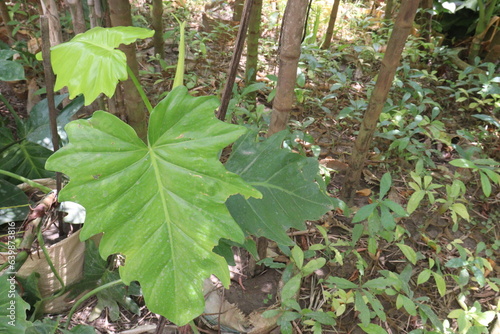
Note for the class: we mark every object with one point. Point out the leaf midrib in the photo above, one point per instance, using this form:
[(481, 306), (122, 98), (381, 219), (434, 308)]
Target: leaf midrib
[(159, 182)]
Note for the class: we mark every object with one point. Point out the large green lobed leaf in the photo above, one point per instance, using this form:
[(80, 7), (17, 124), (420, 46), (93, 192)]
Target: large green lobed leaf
[(90, 64), (287, 183), (12, 307), (161, 204)]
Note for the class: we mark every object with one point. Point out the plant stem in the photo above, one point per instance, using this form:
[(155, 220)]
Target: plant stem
[(193, 327), (179, 72), (88, 295), (139, 89), (28, 181)]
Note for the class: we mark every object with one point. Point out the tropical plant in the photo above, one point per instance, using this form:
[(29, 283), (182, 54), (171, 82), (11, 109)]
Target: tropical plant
[(175, 185)]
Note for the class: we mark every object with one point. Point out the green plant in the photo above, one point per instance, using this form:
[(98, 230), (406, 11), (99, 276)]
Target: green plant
[(487, 169), (451, 202), (471, 262), (171, 193), (422, 186), (25, 151), (10, 70), (365, 300), (471, 319), (290, 309), (379, 216)]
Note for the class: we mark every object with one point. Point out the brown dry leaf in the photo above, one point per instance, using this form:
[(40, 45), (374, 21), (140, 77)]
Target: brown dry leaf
[(34, 45), (364, 192), (334, 164)]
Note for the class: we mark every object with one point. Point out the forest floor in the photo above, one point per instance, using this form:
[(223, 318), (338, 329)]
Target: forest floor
[(326, 129)]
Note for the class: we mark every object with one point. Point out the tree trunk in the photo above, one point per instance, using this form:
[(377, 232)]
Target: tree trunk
[(95, 12), (235, 60), (388, 9), (49, 8), (76, 10), (135, 112), (331, 25), (157, 22), (293, 24), (425, 20), (238, 9), (253, 37), (486, 10), (390, 62)]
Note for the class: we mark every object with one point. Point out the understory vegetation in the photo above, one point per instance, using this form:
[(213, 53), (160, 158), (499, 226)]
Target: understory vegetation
[(417, 250)]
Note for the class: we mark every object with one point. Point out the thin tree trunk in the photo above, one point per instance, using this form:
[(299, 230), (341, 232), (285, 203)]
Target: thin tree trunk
[(95, 12), (235, 61), (486, 10), (76, 10), (49, 8), (293, 25), (331, 25), (425, 20), (238, 9), (157, 22), (135, 112), (253, 46), (388, 9), (390, 62)]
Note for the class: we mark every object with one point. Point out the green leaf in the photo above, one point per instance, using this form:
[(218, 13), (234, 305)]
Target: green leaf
[(112, 297), (253, 88), (291, 288), (426, 311), (484, 318), (364, 212), (287, 183), (7, 54), (372, 329), (424, 276), (415, 200), (25, 159), (408, 304), (162, 204), (341, 283), (12, 307), (463, 163), (11, 71), (461, 210), (489, 119), (298, 256), (387, 218), (409, 253), (90, 64), (440, 283), (455, 263), (376, 305), (362, 308), (324, 318), (377, 283), (13, 203), (479, 275), (385, 184), (494, 177), (395, 207), (313, 265), (38, 125), (485, 184)]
